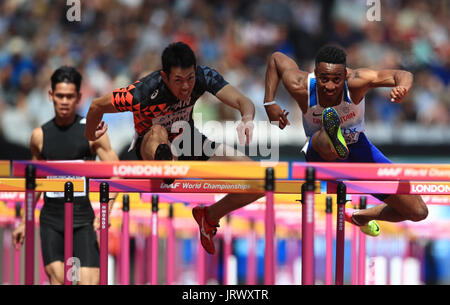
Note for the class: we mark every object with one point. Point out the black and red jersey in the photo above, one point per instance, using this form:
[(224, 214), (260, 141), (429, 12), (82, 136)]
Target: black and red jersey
[(152, 102)]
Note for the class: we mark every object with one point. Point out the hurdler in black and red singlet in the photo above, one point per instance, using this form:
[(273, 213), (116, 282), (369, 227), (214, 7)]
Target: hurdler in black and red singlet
[(153, 103)]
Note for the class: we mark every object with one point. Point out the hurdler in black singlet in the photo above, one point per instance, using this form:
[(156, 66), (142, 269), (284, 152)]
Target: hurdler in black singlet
[(66, 143)]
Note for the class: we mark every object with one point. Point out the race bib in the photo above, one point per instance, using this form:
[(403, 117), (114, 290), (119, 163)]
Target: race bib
[(61, 194)]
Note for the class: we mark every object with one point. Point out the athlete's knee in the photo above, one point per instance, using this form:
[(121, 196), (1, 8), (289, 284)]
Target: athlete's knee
[(158, 131), (55, 274), (419, 212), (417, 209)]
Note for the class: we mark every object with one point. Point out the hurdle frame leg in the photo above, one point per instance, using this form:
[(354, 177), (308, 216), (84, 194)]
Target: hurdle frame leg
[(170, 264), (329, 241), (340, 233), (104, 224), (68, 233), (362, 248), (125, 242), (308, 228), (154, 241), (269, 258), (30, 184)]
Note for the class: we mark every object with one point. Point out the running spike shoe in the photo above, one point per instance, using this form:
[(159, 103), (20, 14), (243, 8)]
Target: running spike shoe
[(332, 126), (371, 228), (207, 231)]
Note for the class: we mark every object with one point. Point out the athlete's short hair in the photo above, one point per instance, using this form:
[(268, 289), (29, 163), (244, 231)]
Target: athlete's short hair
[(331, 55), (66, 74), (177, 54)]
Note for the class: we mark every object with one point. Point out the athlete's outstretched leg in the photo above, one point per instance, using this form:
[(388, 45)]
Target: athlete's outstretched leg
[(395, 209), (208, 217)]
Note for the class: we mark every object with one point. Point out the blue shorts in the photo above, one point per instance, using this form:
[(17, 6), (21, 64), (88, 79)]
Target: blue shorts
[(362, 151)]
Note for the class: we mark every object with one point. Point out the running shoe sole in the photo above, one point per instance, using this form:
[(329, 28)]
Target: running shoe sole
[(332, 126)]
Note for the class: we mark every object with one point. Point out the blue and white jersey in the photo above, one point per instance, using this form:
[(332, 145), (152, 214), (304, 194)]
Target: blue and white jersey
[(351, 115)]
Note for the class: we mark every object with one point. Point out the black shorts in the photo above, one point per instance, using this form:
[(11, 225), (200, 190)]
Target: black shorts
[(202, 153), (85, 246)]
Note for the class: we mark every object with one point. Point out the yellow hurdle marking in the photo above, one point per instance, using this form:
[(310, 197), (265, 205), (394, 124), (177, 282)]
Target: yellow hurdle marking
[(5, 169), (42, 185)]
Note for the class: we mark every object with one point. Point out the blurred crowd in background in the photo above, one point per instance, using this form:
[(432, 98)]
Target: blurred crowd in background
[(119, 41)]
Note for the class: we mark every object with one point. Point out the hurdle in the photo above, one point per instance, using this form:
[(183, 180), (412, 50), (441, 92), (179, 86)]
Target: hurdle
[(145, 169), (391, 172), (211, 186), (379, 178), (30, 185)]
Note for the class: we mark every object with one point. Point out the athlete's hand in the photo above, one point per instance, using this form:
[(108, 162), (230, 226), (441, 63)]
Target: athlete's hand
[(101, 129), (277, 116), (18, 236), (245, 131), (398, 93)]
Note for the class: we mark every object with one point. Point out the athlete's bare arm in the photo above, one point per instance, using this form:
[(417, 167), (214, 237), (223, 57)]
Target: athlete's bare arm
[(232, 97), (102, 148), (284, 68), (36, 143), (95, 127), (361, 80)]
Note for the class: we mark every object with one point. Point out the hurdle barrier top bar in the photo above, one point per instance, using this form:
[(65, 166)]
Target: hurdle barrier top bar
[(281, 187), (373, 171), (197, 186), (155, 169)]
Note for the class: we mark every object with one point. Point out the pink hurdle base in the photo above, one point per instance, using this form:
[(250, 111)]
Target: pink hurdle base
[(29, 237), (68, 241), (329, 249), (362, 259), (269, 259), (340, 244), (308, 239), (104, 223), (354, 256), (125, 250), (251, 265), (154, 257), (170, 252)]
